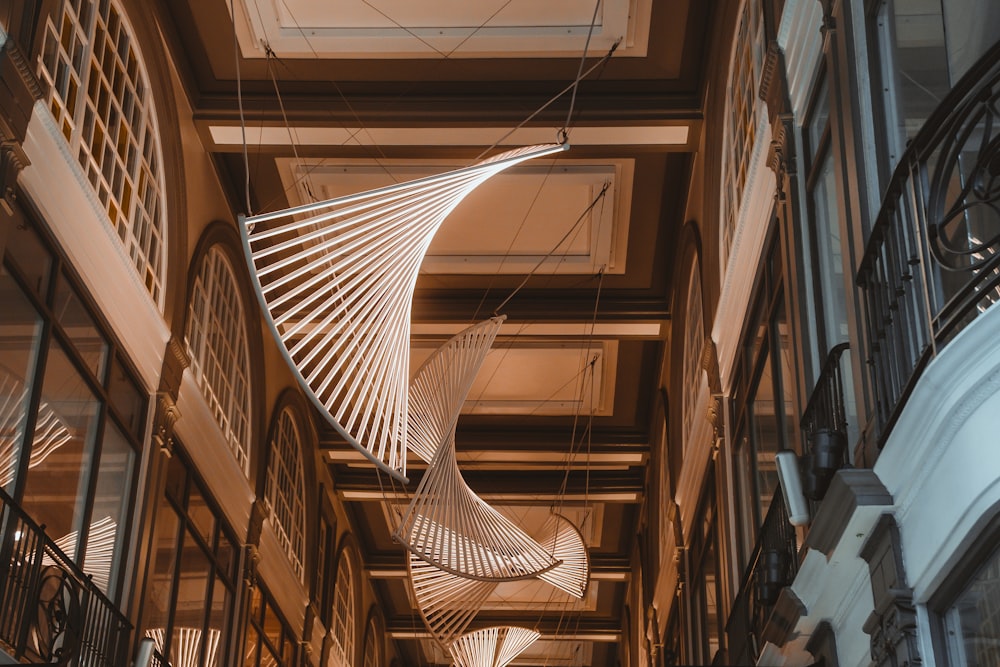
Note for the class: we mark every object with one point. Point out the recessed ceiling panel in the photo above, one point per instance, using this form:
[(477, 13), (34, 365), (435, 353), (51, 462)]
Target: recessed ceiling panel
[(438, 28), (538, 378), (535, 218)]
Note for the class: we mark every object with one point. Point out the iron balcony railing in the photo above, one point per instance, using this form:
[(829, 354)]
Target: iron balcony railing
[(931, 265), (824, 428), (50, 611), (773, 565)]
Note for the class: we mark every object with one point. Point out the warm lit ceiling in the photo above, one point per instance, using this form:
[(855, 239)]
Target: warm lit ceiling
[(375, 91)]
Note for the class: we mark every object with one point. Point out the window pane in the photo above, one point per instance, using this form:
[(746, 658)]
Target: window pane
[(61, 449), (111, 500), (218, 614), (128, 399), (190, 611), (976, 616), (766, 438), (80, 328), (160, 591), (201, 516), (19, 330), (831, 265), (32, 259)]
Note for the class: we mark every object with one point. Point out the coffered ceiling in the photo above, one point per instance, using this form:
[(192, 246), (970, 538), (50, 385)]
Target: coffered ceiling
[(341, 97)]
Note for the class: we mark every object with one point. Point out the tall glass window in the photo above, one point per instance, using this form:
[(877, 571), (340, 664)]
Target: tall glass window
[(99, 95), (764, 416), (285, 490), (695, 382), (923, 48), (741, 117), (373, 644), (220, 359), (72, 415), (189, 605), (343, 630), (270, 641)]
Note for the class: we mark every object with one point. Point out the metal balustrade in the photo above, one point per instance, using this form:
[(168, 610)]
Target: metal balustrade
[(931, 265), (824, 427), (773, 565), (52, 612)]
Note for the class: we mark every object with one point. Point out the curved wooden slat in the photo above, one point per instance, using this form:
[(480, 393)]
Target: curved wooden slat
[(335, 280), (492, 647), (565, 542), (440, 386), (450, 527), (446, 602)]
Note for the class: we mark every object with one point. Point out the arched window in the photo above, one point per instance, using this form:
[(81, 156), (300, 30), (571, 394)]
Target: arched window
[(694, 341), (373, 644), (99, 96), (741, 117), (217, 343), (342, 632), (285, 490)]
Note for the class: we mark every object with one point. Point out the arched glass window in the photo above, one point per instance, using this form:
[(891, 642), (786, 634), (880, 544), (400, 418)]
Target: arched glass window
[(740, 117), (694, 341), (217, 343), (99, 96), (373, 640), (285, 491), (342, 632)]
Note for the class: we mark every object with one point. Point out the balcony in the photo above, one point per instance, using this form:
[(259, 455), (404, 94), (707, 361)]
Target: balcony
[(825, 429), (52, 612), (773, 565), (931, 266)]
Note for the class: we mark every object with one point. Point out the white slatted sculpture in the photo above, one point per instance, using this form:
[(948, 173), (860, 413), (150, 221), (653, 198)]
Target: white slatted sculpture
[(563, 540), (446, 523), (492, 647), (446, 602), (452, 528), (441, 384), (336, 281)]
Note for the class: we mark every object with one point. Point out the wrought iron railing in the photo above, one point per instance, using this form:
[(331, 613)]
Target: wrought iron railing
[(773, 565), (824, 427), (51, 611), (931, 265)]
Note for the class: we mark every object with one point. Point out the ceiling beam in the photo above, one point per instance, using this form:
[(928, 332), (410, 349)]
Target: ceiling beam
[(508, 487)]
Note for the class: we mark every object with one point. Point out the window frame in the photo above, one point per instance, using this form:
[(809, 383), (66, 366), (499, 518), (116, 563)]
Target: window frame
[(121, 97), (983, 549), (218, 261), (51, 335), (189, 527), (287, 515)]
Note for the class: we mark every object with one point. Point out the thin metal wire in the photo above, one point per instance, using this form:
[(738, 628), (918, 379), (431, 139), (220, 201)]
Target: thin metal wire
[(239, 100), (335, 280), (600, 197), (583, 59)]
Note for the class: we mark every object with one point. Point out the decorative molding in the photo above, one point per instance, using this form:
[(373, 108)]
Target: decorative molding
[(893, 622), (259, 512), (165, 417), (710, 364), (850, 489), (250, 566)]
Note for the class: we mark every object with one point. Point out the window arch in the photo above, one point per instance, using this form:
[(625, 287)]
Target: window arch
[(694, 380), (741, 117), (373, 643), (100, 97), (343, 631), (285, 490), (216, 338)]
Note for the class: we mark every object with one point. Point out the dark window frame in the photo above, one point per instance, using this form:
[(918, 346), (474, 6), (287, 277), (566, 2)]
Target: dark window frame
[(60, 271)]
